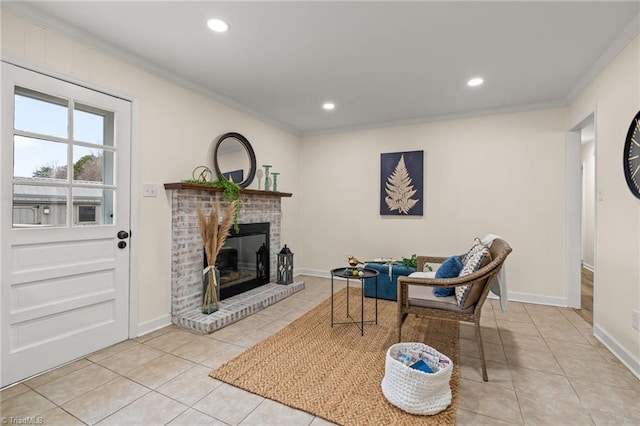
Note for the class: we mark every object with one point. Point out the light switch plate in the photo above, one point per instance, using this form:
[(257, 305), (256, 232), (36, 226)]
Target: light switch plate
[(149, 190)]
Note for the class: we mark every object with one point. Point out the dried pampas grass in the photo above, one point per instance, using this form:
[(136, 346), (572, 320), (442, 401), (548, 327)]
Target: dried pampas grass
[(213, 238)]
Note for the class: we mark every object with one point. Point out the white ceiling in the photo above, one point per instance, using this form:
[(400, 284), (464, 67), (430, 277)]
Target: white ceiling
[(382, 63)]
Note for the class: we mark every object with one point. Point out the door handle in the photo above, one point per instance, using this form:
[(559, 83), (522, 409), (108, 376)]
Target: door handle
[(122, 244), (123, 235)]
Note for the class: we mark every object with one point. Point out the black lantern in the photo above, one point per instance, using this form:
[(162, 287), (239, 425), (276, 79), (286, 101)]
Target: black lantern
[(285, 266)]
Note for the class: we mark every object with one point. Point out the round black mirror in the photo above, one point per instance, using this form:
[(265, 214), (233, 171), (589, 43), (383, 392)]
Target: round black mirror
[(234, 159)]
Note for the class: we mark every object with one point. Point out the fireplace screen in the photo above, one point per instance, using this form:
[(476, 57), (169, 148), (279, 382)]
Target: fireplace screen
[(243, 262)]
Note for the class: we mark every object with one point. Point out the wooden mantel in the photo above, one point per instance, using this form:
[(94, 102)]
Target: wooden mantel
[(184, 185)]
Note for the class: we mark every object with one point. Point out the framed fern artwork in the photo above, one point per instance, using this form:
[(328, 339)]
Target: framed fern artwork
[(401, 183)]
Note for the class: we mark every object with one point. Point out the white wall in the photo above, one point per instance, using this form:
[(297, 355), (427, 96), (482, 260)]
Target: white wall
[(500, 174), (177, 128), (615, 96)]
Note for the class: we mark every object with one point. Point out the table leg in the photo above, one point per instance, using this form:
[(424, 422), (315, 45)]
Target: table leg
[(376, 299), (331, 300), (347, 297), (362, 306)]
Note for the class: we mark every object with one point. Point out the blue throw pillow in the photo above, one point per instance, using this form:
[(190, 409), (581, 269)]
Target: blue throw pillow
[(450, 268)]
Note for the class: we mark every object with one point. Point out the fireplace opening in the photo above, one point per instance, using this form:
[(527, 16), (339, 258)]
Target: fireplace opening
[(243, 262)]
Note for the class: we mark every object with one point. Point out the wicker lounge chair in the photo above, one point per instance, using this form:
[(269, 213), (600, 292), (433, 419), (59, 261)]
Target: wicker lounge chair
[(421, 301)]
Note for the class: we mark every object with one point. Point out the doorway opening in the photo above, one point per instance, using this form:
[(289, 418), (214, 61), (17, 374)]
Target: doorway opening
[(588, 214), (582, 199)]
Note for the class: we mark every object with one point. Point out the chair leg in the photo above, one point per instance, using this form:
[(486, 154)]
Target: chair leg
[(401, 318), (481, 350)]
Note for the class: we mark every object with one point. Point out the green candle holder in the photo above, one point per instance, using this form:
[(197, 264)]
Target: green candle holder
[(275, 181), (266, 176)]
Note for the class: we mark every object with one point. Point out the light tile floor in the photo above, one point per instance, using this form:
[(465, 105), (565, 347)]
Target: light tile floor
[(544, 366)]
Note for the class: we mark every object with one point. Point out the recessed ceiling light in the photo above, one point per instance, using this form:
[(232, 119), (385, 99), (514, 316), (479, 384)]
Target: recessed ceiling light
[(217, 25), (476, 81), (328, 106)]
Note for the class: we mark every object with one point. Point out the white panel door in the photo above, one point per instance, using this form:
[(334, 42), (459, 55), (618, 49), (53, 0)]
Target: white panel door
[(65, 191)]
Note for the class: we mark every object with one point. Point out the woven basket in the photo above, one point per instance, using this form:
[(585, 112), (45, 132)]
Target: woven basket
[(415, 391)]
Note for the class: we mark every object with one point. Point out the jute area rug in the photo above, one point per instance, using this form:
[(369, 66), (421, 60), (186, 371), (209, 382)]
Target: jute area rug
[(336, 373)]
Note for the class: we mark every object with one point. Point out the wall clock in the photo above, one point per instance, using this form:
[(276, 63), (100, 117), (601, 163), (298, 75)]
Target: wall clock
[(631, 156)]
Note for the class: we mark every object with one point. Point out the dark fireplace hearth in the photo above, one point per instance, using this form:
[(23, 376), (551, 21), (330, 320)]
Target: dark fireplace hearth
[(243, 262)]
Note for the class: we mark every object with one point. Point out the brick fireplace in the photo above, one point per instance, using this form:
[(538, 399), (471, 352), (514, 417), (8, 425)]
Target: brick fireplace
[(187, 251)]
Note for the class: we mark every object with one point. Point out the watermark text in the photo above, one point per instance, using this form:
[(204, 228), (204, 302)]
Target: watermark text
[(33, 420)]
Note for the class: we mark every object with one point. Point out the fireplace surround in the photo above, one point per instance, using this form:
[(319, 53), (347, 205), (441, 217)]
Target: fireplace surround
[(187, 254)]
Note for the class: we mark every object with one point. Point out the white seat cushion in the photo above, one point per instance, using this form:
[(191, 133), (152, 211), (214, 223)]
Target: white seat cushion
[(423, 274), (423, 296)]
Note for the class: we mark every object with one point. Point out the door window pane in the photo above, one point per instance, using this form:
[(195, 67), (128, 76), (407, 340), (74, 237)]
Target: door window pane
[(92, 165), (88, 126), (39, 113), (93, 206), (39, 158), (35, 205)]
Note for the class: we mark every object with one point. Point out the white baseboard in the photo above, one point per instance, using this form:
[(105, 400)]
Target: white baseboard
[(153, 325), (625, 357), (538, 299), (534, 298), (313, 272)]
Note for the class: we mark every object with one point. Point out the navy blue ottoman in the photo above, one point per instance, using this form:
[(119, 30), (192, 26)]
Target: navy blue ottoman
[(387, 288)]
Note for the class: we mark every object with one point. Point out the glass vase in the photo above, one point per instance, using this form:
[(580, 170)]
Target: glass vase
[(210, 278)]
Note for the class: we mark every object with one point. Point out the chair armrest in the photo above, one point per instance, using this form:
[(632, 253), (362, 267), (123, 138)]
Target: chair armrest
[(421, 260)]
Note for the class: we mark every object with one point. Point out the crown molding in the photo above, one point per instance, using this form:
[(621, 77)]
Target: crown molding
[(624, 38), (485, 112)]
